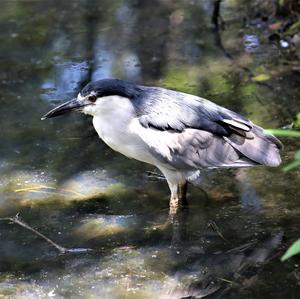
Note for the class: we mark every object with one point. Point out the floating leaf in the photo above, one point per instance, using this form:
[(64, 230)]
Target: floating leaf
[(261, 77), (293, 250)]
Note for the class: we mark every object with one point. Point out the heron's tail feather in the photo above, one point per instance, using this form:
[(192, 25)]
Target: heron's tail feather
[(263, 149)]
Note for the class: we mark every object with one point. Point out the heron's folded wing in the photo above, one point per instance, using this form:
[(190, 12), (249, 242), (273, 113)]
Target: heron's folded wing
[(169, 110), (221, 133), (193, 149)]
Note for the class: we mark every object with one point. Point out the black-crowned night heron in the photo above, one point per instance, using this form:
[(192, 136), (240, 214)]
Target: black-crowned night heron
[(177, 132)]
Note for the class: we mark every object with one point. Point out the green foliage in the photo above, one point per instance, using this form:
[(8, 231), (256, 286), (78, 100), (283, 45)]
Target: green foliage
[(294, 164), (284, 133), (293, 28), (293, 250), (296, 123), (290, 133)]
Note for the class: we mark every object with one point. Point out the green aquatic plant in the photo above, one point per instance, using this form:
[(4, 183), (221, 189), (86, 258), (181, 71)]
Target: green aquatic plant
[(295, 247), (293, 250), (291, 131)]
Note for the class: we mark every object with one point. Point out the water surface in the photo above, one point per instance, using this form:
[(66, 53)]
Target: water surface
[(70, 186)]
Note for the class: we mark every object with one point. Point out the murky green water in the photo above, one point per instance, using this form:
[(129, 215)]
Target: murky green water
[(68, 185)]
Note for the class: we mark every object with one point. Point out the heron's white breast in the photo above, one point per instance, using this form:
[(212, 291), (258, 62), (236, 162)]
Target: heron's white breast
[(116, 124)]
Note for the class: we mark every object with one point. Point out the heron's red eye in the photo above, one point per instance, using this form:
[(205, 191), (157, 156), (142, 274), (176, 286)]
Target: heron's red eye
[(92, 98)]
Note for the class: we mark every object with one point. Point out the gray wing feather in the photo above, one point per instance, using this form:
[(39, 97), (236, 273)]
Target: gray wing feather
[(204, 134), (193, 149), (263, 148), (166, 109)]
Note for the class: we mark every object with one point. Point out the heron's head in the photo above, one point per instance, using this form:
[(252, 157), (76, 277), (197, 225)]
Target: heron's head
[(90, 99)]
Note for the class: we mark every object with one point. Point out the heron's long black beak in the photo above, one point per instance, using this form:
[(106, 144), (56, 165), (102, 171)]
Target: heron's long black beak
[(69, 106)]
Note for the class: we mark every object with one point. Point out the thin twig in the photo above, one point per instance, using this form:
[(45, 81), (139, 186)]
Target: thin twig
[(216, 229), (241, 248), (227, 280), (16, 219)]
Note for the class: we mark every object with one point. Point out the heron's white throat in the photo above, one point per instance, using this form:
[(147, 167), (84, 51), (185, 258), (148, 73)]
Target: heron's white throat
[(115, 121)]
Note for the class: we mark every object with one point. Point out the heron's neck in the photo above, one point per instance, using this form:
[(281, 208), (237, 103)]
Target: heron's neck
[(118, 127), (112, 118)]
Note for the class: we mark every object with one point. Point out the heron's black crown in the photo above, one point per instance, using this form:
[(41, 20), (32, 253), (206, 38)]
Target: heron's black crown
[(109, 87)]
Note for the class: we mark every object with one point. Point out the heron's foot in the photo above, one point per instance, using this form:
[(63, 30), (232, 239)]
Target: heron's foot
[(176, 205), (178, 199)]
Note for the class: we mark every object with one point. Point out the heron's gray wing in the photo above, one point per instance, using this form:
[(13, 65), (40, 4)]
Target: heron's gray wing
[(166, 109), (193, 149), (220, 137)]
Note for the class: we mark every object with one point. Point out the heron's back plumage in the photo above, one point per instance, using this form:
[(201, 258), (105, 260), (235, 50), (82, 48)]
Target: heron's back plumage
[(207, 135)]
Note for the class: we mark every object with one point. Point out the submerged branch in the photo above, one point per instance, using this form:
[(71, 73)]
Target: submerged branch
[(216, 14), (214, 226), (16, 219)]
